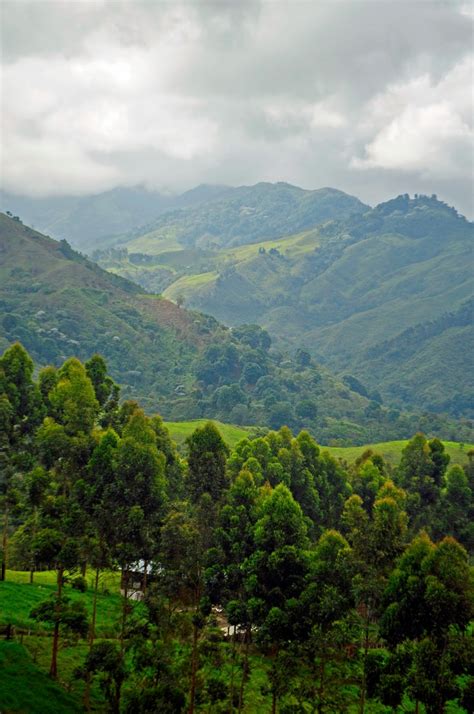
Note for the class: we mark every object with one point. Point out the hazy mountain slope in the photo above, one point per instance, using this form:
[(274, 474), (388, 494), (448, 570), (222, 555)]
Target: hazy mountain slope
[(87, 222), (59, 304), (244, 215), (428, 359), (180, 363), (349, 286)]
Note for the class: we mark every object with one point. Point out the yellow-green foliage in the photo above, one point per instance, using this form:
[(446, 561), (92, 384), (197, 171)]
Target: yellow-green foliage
[(392, 450), (180, 430)]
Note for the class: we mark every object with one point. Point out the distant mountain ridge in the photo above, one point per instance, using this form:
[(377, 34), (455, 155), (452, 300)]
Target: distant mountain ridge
[(88, 222), (343, 288), (182, 364), (247, 214), (211, 213), (322, 270)]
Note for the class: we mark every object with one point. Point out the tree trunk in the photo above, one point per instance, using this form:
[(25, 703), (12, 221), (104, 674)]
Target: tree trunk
[(145, 577), (53, 670), (244, 668), (194, 662), (274, 702), (274, 655), (322, 682), (84, 568), (118, 692), (94, 608), (124, 609), (231, 702), (4, 544), (364, 665), (33, 536)]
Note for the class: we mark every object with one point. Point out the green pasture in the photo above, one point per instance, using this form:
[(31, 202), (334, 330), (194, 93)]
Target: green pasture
[(18, 598), (390, 450)]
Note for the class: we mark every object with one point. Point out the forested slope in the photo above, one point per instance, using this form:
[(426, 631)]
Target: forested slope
[(359, 293), (59, 304)]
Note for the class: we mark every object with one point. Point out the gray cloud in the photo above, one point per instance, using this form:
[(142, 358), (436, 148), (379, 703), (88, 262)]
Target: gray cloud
[(372, 97)]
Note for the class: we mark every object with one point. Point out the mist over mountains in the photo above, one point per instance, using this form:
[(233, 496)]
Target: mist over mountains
[(87, 221), (382, 295)]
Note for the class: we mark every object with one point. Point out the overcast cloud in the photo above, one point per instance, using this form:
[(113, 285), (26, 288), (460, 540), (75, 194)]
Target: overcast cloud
[(374, 97)]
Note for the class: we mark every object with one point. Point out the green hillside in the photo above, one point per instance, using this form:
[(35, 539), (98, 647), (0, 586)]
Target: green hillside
[(181, 430), (24, 687), (391, 451), (89, 221), (182, 364), (247, 214), (383, 296)]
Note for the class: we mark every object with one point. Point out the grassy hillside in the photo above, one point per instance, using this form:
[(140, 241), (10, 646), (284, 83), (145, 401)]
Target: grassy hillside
[(58, 304), (390, 450), (182, 364), (89, 221), (180, 430), (16, 602), (24, 687), (383, 295)]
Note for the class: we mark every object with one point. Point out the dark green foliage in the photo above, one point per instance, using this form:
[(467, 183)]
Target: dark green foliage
[(79, 583), (105, 660), (71, 615), (206, 461), (429, 603), (268, 576)]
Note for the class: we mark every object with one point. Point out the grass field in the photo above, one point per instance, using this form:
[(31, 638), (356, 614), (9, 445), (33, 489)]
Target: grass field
[(188, 282), (24, 687), (180, 430), (390, 450), (24, 682), (18, 597)]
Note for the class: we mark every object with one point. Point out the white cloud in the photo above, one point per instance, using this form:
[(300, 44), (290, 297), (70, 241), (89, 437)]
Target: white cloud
[(369, 97), (422, 126)]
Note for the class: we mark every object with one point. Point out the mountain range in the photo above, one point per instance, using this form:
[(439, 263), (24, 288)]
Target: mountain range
[(88, 222), (381, 295), (181, 363)]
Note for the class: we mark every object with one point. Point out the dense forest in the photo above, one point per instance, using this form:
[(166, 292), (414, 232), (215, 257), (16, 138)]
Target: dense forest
[(268, 578)]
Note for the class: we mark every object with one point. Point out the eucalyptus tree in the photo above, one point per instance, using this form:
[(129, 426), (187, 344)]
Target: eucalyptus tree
[(276, 572), (21, 410), (64, 442), (429, 603)]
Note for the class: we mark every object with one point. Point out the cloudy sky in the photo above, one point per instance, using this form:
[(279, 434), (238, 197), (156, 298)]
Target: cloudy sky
[(373, 97)]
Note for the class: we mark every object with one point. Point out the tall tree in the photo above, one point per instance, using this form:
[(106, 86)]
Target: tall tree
[(21, 410), (276, 573), (207, 454), (429, 604)]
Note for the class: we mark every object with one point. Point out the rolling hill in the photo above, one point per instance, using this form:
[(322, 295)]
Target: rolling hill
[(180, 363), (89, 222), (383, 295)]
